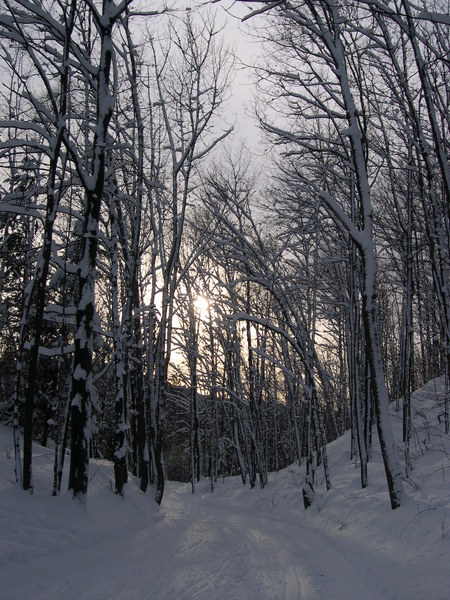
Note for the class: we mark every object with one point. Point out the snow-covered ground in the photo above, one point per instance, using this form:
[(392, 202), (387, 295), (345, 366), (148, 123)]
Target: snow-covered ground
[(236, 544)]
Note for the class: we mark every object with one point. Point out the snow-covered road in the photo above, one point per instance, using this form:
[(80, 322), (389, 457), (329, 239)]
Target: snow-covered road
[(237, 543), (193, 548)]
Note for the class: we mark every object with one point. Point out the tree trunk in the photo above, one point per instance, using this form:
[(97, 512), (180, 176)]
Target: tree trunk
[(81, 384)]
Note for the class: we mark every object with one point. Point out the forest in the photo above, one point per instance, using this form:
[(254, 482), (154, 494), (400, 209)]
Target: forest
[(173, 303)]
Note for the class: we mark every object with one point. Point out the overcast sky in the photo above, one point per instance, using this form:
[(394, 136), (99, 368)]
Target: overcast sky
[(229, 14)]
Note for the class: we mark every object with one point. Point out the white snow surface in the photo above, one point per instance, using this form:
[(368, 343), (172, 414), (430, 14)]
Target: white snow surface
[(236, 543)]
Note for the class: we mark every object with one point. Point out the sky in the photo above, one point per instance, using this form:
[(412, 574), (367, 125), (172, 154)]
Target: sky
[(237, 35)]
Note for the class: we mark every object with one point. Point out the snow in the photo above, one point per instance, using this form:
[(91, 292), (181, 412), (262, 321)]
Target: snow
[(80, 374), (236, 543)]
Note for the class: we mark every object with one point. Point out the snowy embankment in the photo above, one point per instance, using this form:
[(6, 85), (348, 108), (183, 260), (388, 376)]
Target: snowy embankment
[(236, 543)]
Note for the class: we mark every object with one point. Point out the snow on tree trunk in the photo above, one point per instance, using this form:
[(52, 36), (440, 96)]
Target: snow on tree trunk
[(120, 443), (388, 449), (81, 383), (363, 238)]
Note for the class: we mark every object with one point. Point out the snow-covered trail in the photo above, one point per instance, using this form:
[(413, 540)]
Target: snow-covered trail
[(192, 549), (238, 543), (230, 550)]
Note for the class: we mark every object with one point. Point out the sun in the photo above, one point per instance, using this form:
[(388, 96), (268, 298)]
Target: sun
[(202, 307)]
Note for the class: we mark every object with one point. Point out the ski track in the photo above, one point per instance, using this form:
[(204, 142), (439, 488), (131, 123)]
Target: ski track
[(205, 552)]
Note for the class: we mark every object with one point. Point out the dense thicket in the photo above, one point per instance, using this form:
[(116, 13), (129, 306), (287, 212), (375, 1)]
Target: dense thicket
[(166, 307)]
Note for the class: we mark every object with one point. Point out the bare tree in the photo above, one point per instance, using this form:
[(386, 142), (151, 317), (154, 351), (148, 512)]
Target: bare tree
[(191, 84), (325, 87)]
